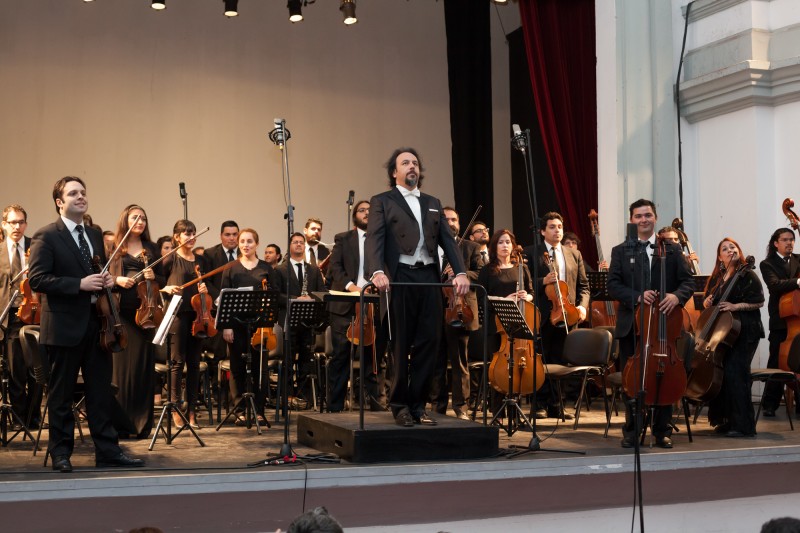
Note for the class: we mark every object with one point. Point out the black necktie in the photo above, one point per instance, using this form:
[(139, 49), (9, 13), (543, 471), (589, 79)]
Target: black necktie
[(788, 266), (300, 273), (556, 268), (312, 257), (484, 257), (231, 257), (16, 268), (84, 246)]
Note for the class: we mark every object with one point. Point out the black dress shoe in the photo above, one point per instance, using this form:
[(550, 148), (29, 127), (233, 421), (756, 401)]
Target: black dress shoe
[(119, 461), (61, 464), (554, 412), (461, 414), (664, 442), (626, 442), (738, 434), (769, 413), (425, 420), (540, 414), (404, 419)]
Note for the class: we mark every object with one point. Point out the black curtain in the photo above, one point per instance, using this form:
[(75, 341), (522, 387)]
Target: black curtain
[(523, 112), (469, 70)]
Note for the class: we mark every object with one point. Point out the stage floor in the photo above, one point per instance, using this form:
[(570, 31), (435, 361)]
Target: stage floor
[(212, 488)]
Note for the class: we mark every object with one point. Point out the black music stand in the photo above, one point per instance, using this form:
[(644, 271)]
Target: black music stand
[(252, 309), (166, 413), (7, 414), (598, 286)]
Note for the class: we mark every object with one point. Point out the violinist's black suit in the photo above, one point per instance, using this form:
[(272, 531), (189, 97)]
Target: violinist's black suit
[(70, 331), (625, 286)]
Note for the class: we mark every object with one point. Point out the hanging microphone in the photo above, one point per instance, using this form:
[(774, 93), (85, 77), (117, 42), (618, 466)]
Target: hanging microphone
[(182, 190), (279, 135), (350, 197), (518, 140)]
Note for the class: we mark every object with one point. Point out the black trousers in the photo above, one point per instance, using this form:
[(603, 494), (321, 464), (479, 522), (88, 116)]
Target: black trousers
[(339, 365), (454, 351), (416, 324), (95, 364), (23, 393), (773, 392)]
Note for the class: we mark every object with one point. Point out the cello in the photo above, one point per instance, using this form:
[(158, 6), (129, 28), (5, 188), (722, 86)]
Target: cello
[(151, 310), (656, 368), (526, 362), (602, 313), (563, 314), (789, 304), (718, 331)]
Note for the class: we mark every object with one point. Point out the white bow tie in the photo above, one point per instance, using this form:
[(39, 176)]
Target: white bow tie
[(406, 192)]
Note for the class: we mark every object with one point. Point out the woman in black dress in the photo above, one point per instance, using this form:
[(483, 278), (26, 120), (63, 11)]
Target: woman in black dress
[(133, 369), (187, 346), (250, 271), (731, 411)]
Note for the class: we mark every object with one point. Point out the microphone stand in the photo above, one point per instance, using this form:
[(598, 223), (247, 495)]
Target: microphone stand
[(184, 199), (350, 199)]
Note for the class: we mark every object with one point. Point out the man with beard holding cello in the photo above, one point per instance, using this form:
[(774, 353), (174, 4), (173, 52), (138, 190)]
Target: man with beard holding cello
[(627, 287)]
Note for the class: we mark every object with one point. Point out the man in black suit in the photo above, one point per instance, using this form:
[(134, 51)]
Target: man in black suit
[(780, 271), (405, 229), (21, 385), (315, 250), (346, 273), (60, 269), (303, 279), (454, 349), (629, 289)]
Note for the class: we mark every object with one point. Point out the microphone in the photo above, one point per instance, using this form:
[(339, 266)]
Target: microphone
[(279, 135), (350, 197), (182, 190), (518, 140)]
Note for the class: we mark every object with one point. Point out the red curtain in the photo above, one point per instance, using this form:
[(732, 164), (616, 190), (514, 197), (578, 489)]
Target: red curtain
[(560, 41)]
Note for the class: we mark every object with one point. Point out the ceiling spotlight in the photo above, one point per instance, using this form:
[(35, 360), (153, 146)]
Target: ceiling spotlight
[(158, 5), (348, 9), (295, 10), (500, 1), (231, 8)]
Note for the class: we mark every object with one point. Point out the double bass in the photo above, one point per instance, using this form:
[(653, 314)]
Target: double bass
[(717, 333), (656, 368), (789, 304), (602, 313), (694, 306)]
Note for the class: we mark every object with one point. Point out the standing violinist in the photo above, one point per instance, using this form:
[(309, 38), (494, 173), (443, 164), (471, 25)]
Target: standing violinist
[(187, 346), (21, 385), (61, 270), (731, 410), (346, 273), (456, 338), (133, 368), (781, 273), (630, 289), (567, 266), (249, 272)]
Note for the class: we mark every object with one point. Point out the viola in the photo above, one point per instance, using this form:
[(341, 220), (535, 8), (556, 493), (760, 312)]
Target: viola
[(264, 336), (789, 304), (29, 311), (563, 314), (602, 313), (203, 325), (717, 333), (354, 329), (151, 309), (656, 368), (113, 337)]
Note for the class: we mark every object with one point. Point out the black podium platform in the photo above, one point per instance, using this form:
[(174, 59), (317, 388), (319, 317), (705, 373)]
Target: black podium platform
[(383, 441)]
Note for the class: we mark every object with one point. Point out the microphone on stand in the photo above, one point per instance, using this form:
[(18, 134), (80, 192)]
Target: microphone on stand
[(518, 140), (279, 135), (350, 198), (182, 190)]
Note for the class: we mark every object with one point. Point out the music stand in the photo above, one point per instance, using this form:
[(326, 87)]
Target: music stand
[(170, 407), (598, 286), (7, 414), (252, 309)]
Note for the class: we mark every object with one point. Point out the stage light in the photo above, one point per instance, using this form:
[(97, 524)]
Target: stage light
[(231, 8), (295, 10), (504, 2), (348, 9), (158, 5)]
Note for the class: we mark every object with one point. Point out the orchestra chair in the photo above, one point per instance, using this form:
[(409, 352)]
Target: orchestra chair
[(775, 375), (587, 353), (476, 367), (614, 358), (321, 352)]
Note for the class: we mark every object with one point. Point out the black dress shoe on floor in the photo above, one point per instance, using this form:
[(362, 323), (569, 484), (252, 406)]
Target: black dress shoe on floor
[(664, 442), (626, 442), (738, 434), (61, 464), (540, 414), (119, 461), (404, 419), (769, 413), (425, 420), (461, 415)]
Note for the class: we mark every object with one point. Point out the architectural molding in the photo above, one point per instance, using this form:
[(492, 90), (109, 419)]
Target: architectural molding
[(705, 8)]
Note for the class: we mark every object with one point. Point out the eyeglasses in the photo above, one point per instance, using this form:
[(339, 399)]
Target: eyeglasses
[(16, 222), (363, 210), (480, 230)]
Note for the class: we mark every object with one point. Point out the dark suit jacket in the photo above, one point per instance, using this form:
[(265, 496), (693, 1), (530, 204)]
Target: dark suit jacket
[(626, 287), (343, 268), (55, 270), (322, 252), (5, 275), (574, 272), (393, 231), (779, 282), (314, 284), (215, 256)]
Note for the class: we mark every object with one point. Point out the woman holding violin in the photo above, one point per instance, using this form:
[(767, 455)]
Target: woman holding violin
[(133, 369), (250, 271), (731, 410), (187, 346)]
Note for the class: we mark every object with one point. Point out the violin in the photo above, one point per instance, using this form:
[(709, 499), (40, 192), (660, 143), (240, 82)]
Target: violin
[(113, 337), (29, 311), (264, 336), (151, 309), (563, 314), (662, 377), (516, 362), (354, 329), (718, 331), (602, 313), (789, 304), (458, 314), (203, 325)]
